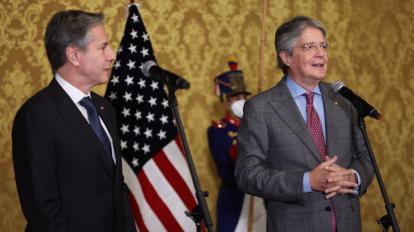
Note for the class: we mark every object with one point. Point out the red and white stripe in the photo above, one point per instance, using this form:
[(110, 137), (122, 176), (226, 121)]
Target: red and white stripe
[(162, 191)]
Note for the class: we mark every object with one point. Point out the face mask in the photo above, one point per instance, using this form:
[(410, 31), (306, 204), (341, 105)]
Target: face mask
[(237, 108)]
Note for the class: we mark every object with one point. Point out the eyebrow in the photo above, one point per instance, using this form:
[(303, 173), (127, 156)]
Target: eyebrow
[(316, 42)]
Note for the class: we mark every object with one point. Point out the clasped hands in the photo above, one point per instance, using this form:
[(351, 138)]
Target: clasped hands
[(332, 179)]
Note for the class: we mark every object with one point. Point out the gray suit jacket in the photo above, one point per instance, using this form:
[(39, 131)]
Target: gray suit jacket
[(276, 149)]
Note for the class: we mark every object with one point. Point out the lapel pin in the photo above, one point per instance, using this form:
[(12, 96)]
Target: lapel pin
[(335, 102)]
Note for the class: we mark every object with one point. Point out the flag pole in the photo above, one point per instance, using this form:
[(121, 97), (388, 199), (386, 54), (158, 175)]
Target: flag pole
[(250, 220), (259, 89), (262, 46)]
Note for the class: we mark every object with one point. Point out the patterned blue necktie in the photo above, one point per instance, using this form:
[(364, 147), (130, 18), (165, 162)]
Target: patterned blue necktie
[(96, 125)]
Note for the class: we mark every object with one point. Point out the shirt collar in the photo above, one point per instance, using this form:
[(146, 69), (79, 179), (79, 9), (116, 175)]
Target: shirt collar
[(74, 93), (297, 90)]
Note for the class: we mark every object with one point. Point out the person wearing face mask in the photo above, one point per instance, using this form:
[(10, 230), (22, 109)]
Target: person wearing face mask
[(236, 211)]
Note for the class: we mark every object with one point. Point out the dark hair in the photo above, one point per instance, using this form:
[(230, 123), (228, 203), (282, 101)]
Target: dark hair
[(68, 28), (288, 33)]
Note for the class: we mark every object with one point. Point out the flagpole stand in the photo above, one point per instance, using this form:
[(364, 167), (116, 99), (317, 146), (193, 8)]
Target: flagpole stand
[(200, 212)]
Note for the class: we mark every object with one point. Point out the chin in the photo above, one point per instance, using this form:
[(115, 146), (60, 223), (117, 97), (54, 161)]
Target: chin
[(320, 75), (106, 77), (103, 80)]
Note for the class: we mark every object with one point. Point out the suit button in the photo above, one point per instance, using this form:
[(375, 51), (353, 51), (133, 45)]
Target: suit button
[(328, 208)]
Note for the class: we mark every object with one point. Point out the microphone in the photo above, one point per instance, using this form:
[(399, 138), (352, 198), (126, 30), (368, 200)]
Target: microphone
[(151, 69), (364, 109)]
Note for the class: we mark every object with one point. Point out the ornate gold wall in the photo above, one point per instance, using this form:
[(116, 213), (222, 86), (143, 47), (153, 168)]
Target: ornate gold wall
[(372, 51)]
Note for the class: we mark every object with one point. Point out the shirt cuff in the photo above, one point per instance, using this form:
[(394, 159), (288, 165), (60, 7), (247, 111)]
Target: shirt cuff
[(356, 189), (306, 183)]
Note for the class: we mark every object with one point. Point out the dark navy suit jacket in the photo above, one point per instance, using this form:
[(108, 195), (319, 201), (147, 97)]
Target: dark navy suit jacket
[(64, 179)]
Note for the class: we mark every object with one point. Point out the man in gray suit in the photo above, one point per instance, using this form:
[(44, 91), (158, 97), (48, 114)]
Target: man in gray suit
[(300, 146)]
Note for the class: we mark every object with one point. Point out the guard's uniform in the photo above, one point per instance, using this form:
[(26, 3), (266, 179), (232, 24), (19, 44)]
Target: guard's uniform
[(222, 137), (235, 209)]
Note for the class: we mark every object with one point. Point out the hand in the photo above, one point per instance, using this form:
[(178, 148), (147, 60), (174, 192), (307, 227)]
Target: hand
[(318, 176), (340, 180)]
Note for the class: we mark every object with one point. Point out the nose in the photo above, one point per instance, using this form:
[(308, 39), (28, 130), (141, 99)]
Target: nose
[(320, 52), (110, 54)]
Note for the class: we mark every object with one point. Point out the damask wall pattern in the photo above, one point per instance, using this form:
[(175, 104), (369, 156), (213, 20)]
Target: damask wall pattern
[(371, 50)]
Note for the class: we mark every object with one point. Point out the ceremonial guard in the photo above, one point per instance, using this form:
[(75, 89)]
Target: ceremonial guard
[(236, 211)]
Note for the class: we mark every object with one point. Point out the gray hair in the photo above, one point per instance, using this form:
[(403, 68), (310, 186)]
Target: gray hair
[(68, 28), (288, 33)]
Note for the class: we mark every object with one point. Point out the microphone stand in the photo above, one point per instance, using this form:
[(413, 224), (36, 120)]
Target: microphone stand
[(389, 219), (200, 212)]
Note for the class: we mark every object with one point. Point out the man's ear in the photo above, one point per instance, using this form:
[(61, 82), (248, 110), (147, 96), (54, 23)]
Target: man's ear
[(72, 55), (284, 55)]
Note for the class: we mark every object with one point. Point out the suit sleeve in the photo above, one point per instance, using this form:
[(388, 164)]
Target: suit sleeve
[(35, 164), (253, 173)]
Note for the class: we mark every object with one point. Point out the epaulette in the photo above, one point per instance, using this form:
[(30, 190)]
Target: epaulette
[(219, 123)]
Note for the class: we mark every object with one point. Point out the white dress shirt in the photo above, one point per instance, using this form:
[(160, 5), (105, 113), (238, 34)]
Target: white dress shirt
[(76, 95)]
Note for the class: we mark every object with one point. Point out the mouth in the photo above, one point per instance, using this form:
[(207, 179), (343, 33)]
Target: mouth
[(318, 65)]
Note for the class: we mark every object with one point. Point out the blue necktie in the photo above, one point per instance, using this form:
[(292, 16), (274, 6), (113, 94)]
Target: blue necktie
[(96, 125)]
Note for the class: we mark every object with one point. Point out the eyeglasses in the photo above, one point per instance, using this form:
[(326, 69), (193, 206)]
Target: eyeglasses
[(311, 47)]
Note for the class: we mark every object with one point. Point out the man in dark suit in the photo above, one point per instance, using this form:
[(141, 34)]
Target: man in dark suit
[(66, 149), (300, 146)]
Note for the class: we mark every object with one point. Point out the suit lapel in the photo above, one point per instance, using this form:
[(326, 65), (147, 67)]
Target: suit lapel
[(106, 114), (285, 106), (331, 108), (68, 110)]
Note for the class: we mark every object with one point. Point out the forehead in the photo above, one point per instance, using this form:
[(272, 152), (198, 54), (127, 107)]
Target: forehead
[(97, 34), (311, 34)]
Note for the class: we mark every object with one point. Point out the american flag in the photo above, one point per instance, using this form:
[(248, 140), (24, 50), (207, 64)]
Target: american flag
[(154, 164)]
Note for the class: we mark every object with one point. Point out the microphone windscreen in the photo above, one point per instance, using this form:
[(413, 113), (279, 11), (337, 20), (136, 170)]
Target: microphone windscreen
[(337, 86), (147, 66)]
